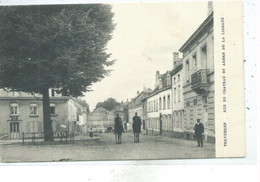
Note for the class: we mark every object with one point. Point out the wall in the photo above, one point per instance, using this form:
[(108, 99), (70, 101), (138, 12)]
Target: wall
[(197, 106)]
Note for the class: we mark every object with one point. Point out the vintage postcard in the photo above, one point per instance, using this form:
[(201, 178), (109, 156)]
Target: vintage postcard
[(121, 81)]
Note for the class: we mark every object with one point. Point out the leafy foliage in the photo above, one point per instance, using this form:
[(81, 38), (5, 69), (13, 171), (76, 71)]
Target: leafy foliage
[(58, 46), (108, 104)]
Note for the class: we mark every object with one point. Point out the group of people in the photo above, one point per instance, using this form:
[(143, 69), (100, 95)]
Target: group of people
[(119, 129)]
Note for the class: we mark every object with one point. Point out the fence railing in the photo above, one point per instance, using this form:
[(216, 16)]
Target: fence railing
[(61, 135)]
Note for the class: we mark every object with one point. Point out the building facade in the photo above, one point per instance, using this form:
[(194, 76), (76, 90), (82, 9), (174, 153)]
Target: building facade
[(159, 106), (198, 83), (99, 119), (177, 94), (23, 112)]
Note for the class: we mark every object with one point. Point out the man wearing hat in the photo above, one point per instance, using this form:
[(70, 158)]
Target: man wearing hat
[(199, 129)]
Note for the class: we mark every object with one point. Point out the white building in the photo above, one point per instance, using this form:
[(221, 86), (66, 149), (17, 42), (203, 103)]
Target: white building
[(159, 118), (23, 112), (177, 93), (198, 86)]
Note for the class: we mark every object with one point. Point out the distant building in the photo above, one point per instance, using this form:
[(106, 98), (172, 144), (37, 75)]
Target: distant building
[(122, 110), (136, 106), (100, 118), (159, 106), (198, 83), (22, 112), (177, 96)]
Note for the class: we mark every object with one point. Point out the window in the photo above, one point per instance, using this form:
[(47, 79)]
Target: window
[(194, 102), (179, 93), (164, 103), (174, 80), (156, 104), (188, 103), (52, 92), (179, 77), (33, 109), (174, 95), (160, 103), (52, 109), (205, 99), (187, 71), (194, 60), (168, 102), (204, 57), (14, 109)]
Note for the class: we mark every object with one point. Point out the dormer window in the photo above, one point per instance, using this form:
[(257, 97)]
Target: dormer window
[(168, 80), (160, 83)]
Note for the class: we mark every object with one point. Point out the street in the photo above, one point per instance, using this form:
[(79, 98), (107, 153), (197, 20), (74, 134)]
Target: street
[(102, 147)]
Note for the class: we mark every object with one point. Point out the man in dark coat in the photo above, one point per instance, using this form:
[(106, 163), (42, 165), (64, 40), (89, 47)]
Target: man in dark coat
[(199, 129), (136, 127), (118, 129)]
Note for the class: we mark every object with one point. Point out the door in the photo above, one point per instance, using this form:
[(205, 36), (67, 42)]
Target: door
[(160, 124), (14, 130)]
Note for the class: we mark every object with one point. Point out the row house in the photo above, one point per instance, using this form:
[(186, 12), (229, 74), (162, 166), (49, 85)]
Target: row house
[(23, 112), (158, 106), (177, 93), (186, 93), (198, 83)]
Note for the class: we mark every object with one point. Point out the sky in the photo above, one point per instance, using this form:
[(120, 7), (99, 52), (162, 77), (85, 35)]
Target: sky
[(144, 39)]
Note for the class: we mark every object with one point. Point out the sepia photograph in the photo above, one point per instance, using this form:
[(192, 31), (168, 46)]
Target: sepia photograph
[(120, 81)]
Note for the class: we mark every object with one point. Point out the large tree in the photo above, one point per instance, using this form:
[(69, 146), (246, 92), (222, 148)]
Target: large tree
[(108, 104), (54, 46)]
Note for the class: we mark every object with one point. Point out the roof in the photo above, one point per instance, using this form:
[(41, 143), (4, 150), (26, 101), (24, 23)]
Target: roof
[(197, 32), (164, 85), (176, 69)]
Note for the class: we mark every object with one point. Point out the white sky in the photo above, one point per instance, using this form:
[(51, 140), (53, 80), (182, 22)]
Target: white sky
[(144, 39)]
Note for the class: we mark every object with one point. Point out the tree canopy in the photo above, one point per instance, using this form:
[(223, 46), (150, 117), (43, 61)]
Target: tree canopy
[(108, 104), (54, 46)]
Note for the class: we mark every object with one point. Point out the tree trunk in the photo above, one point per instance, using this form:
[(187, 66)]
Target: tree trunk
[(48, 135)]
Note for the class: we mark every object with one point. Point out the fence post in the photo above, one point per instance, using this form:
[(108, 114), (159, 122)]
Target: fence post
[(66, 136), (23, 138)]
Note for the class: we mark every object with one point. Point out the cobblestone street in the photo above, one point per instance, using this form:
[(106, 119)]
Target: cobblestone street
[(103, 147)]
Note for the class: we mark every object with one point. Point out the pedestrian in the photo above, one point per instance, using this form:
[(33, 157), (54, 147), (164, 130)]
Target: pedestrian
[(199, 129), (136, 127), (118, 129)]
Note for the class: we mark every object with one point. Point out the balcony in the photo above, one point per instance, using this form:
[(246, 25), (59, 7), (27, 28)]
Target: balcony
[(200, 81)]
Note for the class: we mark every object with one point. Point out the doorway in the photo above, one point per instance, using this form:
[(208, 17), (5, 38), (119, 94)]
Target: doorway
[(14, 130)]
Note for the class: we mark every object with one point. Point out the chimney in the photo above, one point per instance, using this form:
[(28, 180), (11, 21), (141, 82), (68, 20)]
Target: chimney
[(157, 78), (137, 92), (176, 58), (210, 7)]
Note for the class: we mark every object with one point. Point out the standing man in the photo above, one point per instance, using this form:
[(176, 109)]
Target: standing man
[(136, 127), (118, 129), (199, 129)]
